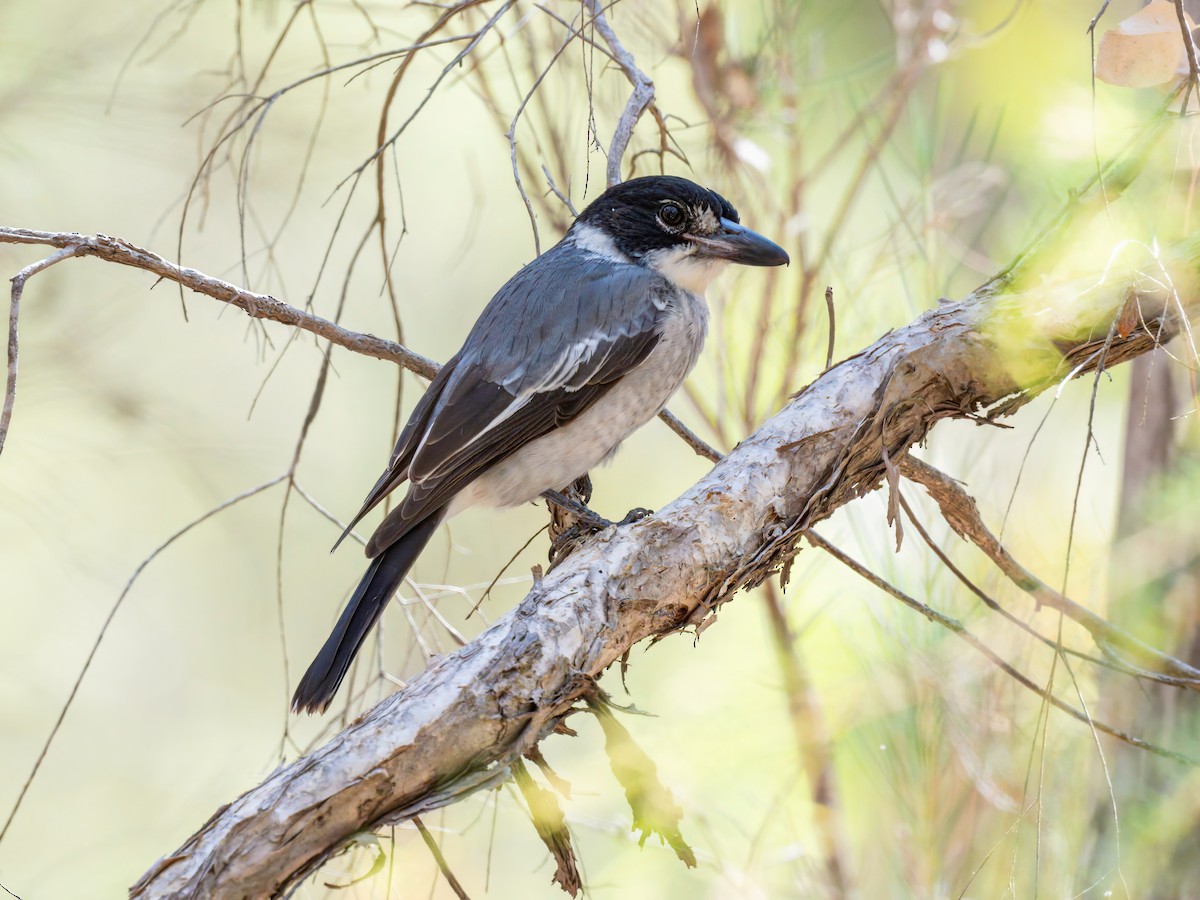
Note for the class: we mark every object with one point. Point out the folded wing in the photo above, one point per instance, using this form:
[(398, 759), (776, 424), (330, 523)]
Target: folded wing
[(551, 343)]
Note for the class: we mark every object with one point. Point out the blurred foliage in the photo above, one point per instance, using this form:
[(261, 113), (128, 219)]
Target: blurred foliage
[(821, 742)]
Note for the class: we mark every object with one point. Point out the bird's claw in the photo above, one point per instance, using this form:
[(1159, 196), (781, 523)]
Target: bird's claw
[(587, 519), (583, 515), (636, 515), (587, 522)]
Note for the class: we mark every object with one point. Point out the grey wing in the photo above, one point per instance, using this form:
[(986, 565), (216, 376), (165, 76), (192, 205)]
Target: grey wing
[(549, 345)]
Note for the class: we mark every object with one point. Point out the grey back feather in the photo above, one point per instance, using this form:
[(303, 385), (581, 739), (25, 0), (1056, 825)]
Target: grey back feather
[(552, 324), (549, 344)]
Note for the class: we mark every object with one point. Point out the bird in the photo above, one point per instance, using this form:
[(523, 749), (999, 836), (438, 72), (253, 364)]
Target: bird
[(580, 348)]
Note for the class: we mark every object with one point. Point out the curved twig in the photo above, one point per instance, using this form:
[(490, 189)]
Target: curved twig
[(14, 315), (959, 510)]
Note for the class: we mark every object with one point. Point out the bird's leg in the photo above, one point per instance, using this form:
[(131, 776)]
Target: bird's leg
[(571, 521), (582, 514), (588, 517)]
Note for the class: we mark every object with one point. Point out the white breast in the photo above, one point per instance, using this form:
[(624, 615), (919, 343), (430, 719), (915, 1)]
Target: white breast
[(554, 460)]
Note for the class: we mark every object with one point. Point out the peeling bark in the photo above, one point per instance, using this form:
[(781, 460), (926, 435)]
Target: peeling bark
[(459, 725)]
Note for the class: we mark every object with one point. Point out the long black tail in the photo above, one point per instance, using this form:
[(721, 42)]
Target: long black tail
[(384, 575)]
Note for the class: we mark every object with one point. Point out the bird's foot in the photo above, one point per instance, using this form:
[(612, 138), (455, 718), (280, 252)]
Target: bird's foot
[(584, 516), (574, 522), (587, 518), (636, 515), (567, 541)]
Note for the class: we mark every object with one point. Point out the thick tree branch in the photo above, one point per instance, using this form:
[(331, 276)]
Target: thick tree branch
[(463, 722)]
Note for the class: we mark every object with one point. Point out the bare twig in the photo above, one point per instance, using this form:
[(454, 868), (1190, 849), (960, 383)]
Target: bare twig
[(566, 201), (641, 97), (258, 306), (512, 137), (440, 859), (690, 438), (488, 590), (960, 511), (961, 630), (1193, 78), (62, 713), (384, 141), (832, 326), (14, 314), (905, 82)]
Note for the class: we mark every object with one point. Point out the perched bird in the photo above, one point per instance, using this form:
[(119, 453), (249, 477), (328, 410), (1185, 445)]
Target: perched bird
[(579, 349)]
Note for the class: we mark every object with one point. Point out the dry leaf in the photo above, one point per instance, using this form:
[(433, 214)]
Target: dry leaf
[(1144, 50)]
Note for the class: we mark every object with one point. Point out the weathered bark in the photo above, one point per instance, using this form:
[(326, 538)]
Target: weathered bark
[(456, 727)]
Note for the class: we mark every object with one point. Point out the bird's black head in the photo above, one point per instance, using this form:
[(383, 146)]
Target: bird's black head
[(684, 231)]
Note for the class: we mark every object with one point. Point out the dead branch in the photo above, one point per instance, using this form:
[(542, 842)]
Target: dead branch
[(959, 510), (257, 306), (463, 723), (14, 315), (957, 627)]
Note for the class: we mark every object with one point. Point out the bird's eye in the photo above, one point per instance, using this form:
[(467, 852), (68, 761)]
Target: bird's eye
[(670, 215)]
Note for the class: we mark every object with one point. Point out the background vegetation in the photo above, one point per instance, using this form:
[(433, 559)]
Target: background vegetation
[(821, 740)]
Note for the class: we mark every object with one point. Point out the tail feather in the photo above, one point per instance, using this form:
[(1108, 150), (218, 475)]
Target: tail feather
[(371, 597)]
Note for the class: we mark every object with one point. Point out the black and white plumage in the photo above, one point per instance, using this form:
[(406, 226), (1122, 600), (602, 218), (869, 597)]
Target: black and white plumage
[(579, 349)]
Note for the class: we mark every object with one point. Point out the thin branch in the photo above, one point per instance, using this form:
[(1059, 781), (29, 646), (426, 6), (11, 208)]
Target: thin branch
[(987, 600), (446, 70), (384, 142), (1193, 78), (511, 135), (832, 327), (440, 859), (960, 511), (905, 82), (566, 201), (62, 713), (512, 559), (962, 631), (258, 306), (641, 97), (690, 438), (14, 314)]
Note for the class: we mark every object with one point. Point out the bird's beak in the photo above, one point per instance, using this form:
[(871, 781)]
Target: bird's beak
[(739, 244)]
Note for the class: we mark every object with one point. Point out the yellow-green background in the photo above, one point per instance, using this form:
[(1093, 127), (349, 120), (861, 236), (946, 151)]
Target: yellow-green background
[(132, 421)]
